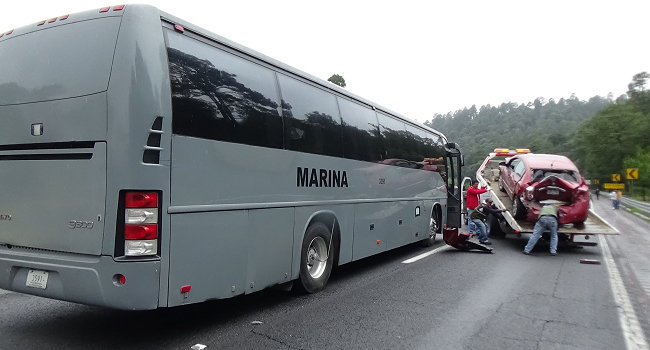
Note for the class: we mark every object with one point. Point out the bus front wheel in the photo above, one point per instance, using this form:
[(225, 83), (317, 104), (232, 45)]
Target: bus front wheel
[(434, 229), (316, 259)]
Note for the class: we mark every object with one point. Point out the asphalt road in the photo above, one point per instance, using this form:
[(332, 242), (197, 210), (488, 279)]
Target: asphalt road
[(446, 300)]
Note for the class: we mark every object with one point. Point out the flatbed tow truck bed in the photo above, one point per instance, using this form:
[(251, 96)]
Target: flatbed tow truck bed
[(488, 175)]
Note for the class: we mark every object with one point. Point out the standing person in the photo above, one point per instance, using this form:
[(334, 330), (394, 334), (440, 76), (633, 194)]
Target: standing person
[(479, 214), (473, 200), (597, 194), (619, 195), (612, 196), (547, 221)]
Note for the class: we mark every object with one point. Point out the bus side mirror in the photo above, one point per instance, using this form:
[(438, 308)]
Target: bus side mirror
[(462, 160)]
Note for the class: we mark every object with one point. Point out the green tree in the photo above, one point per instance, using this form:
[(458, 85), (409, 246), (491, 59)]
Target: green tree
[(337, 79), (641, 161), (638, 93), (605, 142), (609, 137)]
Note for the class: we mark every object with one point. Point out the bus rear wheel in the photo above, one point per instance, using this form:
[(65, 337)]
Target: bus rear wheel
[(316, 259)]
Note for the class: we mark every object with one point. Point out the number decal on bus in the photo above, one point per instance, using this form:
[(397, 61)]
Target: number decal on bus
[(74, 224)]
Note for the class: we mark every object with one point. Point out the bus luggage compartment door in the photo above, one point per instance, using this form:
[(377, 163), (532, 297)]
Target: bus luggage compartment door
[(53, 197)]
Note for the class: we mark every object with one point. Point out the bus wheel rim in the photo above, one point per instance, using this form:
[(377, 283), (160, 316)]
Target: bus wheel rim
[(316, 257), (433, 227)]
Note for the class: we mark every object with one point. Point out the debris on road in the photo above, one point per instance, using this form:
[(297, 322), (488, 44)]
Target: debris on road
[(590, 261)]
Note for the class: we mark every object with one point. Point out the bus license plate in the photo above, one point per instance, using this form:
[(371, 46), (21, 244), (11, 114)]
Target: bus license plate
[(37, 279), (553, 192)]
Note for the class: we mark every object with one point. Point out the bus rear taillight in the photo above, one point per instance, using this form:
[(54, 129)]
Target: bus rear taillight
[(141, 200), (140, 223)]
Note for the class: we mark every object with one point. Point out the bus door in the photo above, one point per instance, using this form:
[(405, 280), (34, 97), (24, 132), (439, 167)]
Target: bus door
[(454, 197)]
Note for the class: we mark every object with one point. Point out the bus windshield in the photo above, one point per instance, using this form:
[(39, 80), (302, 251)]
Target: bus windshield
[(53, 63)]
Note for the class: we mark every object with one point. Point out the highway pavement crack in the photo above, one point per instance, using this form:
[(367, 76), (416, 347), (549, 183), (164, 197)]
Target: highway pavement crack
[(289, 346)]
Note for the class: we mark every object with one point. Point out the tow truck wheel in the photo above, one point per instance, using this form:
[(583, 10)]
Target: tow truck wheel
[(495, 227)]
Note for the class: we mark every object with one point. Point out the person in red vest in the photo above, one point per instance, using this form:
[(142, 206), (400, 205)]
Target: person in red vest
[(473, 200)]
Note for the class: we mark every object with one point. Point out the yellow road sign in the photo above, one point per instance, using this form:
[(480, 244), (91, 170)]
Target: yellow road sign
[(632, 173), (596, 182), (616, 177), (611, 186)]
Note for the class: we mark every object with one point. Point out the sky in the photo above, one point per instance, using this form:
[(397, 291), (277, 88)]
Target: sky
[(419, 58)]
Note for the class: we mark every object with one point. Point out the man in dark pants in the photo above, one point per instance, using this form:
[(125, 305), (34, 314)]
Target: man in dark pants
[(478, 216)]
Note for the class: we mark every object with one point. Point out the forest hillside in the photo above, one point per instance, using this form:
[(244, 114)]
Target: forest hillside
[(602, 135)]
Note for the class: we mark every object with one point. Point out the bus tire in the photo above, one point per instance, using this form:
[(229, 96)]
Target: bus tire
[(315, 260), (434, 229)]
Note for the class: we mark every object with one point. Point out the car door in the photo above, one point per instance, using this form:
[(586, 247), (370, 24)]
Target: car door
[(510, 178), (518, 173)]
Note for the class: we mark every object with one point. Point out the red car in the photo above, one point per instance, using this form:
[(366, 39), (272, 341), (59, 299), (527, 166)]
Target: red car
[(529, 179)]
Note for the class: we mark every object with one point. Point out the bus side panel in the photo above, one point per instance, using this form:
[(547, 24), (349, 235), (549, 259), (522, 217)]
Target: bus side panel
[(405, 221), (372, 227), (420, 223), (270, 242), (207, 252)]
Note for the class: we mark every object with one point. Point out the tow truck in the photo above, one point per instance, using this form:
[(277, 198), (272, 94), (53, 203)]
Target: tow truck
[(487, 175)]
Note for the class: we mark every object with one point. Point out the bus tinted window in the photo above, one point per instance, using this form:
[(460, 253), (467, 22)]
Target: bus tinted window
[(394, 137), (415, 143), (312, 122), (434, 145), (49, 64), (361, 139), (217, 95)]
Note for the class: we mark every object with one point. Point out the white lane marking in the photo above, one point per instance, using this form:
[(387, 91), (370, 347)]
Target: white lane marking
[(424, 255), (632, 332)]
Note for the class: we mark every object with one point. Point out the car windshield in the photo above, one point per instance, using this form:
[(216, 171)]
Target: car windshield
[(568, 175)]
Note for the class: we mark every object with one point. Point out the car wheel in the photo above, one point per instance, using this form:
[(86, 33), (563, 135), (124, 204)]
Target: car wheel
[(316, 259), (500, 184), (517, 209)]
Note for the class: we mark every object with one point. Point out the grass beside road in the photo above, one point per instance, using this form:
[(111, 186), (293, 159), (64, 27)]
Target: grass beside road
[(640, 213)]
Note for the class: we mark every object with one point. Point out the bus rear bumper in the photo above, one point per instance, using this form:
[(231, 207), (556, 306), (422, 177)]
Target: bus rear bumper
[(82, 278)]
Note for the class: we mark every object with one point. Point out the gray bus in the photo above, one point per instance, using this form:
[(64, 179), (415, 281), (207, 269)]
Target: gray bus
[(145, 163)]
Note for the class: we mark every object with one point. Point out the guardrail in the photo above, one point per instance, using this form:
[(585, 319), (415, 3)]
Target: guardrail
[(643, 206)]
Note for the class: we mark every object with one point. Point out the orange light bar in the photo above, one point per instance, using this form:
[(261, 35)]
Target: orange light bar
[(501, 150), (522, 150)]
